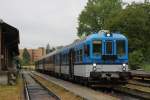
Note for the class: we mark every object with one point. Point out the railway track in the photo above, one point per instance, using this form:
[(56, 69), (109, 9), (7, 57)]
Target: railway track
[(120, 92), (138, 83), (36, 91), (139, 86), (136, 89), (78, 89), (141, 76), (132, 90)]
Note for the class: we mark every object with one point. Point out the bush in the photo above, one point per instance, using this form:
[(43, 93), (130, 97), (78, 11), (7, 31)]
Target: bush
[(136, 59)]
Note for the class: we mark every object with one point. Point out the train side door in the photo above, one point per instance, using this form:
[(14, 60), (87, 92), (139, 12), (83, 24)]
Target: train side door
[(71, 62)]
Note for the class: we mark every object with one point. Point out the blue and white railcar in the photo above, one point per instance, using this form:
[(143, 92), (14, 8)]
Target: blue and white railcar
[(105, 56), (99, 56)]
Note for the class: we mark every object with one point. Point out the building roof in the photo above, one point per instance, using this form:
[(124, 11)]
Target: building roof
[(11, 36)]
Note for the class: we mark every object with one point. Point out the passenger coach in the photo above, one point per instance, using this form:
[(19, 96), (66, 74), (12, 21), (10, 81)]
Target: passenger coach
[(100, 57)]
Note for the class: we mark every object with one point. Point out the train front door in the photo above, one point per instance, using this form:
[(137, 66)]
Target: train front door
[(108, 48), (71, 62), (109, 53)]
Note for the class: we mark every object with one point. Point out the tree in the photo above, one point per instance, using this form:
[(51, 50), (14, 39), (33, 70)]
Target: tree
[(136, 59), (134, 22), (53, 49), (26, 57), (96, 12), (48, 49)]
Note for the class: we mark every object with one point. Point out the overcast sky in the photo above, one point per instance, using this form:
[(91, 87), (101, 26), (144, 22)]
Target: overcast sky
[(43, 21)]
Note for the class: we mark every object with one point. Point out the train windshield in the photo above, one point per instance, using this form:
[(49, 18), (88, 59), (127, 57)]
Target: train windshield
[(109, 47), (120, 47), (97, 47)]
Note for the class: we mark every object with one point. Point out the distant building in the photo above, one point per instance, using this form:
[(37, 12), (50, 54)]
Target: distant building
[(35, 54)]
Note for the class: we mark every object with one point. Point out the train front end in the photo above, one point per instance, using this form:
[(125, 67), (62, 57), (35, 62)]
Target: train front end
[(109, 57)]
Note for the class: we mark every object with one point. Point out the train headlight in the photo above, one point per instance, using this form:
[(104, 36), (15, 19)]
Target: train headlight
[(124, 65), (108, 34), (94, 66)]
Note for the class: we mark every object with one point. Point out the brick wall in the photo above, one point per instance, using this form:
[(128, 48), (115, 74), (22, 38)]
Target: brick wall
[(35, 54)]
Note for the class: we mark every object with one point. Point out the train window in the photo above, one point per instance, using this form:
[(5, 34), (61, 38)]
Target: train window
[(54, 59), (108, 47), (66, 58), (75, 56), (87, 50), (63, 60), (120, 47), (80, 55), (57, 60), (97, 47)]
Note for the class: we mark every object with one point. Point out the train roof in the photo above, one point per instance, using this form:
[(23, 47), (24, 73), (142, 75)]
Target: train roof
[(102, 35), (99, 35)]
